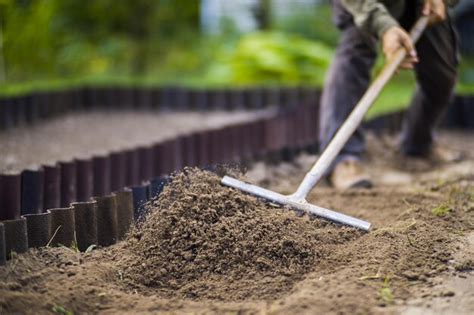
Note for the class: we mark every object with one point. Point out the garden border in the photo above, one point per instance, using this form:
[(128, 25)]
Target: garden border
[(106, 191)]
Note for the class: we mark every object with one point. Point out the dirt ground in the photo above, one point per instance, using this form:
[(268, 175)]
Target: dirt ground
[(205, 248), (84, 135)]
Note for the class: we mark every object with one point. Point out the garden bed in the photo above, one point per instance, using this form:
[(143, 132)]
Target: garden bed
[(209, 249)]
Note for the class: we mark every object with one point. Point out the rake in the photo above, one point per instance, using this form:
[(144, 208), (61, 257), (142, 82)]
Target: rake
[(297, 200)]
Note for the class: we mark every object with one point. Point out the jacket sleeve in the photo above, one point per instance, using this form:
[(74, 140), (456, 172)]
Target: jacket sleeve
[(370, 15)]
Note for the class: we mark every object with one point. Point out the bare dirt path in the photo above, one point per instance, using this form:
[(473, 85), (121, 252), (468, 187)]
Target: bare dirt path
[(87, 134), (452, 293)]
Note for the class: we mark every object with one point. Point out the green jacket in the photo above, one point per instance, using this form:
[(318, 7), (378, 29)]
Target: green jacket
[(376, 16)]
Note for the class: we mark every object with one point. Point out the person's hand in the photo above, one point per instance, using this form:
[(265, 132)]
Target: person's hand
[(395, 38), (435, 10)]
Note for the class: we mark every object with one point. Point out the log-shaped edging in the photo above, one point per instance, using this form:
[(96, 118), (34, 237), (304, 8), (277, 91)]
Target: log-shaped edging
[(85, 220), (140, 197), (16, 236), (63, 226), (36, 106), (133, 168), (145, 163), (52, 187), (10, 196), (101, 175), (107, 224), (38, 229), (84, 179), (32, 191), (118, 173), (157, 185), (125, 211), (68, 171), (3, 250)]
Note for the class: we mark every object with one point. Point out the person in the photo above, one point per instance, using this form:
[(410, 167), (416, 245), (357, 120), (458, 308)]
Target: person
[(434, 60)]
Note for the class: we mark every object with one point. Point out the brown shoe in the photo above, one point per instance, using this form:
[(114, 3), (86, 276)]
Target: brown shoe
[(437, 154), (350, 174), (442, 154)]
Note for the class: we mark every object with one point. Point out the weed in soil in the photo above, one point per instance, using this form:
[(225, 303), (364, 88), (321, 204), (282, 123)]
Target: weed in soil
[(386, 292), (441, 210), (60, 310)]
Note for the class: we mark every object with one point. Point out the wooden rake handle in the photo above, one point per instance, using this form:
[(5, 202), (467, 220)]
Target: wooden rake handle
[(357, 115)]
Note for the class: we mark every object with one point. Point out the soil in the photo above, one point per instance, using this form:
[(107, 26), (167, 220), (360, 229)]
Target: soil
[(94, 133), (202, 240), (205, 248)]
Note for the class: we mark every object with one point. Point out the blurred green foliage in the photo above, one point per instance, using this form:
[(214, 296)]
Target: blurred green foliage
[(311, 24), (466, 75), (54, 44), (46, 39), (272, 58)]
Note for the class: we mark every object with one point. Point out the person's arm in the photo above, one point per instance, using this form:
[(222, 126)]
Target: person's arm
[(396, 37), (373, 17), (370, 16)]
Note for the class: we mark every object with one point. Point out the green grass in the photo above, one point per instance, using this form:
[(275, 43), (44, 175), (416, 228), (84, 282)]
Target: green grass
[(465, 89), (466, 76), (63, 84), (441, 210), (57, 309), (395, 96), (385, 292)]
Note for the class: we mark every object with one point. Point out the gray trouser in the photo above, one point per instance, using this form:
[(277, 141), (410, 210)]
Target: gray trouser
[(349, 77)]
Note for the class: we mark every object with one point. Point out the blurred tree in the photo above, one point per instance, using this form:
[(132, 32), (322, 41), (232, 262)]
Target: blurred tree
[(73, 37), (29, 43), (138, 20)]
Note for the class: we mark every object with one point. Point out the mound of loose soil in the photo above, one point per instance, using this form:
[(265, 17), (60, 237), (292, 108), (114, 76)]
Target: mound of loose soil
[(203, 240)]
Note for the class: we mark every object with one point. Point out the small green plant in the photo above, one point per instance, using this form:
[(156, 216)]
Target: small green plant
[(57, 309), (75, 246), (386, 292), (13, 255), (441, 210)]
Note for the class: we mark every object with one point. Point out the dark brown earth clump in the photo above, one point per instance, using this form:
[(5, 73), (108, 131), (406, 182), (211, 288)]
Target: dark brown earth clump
[(202, 239)]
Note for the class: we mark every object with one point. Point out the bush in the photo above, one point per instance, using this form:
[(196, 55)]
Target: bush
[(272, 58)]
